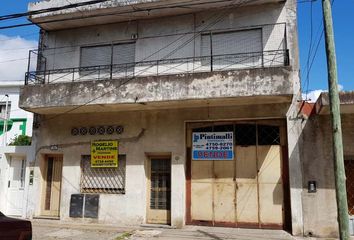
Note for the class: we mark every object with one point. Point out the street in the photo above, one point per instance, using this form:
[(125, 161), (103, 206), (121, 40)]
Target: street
[(51, 229)]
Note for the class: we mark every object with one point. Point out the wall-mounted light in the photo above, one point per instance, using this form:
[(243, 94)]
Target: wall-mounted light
[(312, 186), (54, 147)]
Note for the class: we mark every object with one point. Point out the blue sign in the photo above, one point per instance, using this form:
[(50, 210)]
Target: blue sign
[(213, 146)]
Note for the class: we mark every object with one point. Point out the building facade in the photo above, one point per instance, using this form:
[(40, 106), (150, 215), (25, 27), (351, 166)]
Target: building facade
[(201, 98), (13, 159), (320, 206)]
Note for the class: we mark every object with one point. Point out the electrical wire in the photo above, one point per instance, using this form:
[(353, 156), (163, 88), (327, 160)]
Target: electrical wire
[(115, 88), (308, 72), (47, 10), (135, 9), (310, 48)]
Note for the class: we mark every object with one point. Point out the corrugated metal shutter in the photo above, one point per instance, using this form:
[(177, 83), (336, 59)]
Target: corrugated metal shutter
[(124, 53), (205, 45), (96, 56), (247, 41)]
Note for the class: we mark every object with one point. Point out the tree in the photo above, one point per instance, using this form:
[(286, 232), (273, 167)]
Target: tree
[(21, 140)]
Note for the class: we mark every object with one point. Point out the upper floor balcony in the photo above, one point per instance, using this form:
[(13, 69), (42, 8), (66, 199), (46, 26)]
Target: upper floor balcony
[(170, 61), (111, 11)]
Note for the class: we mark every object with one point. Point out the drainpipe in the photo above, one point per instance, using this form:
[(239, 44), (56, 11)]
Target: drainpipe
[(5, 121)]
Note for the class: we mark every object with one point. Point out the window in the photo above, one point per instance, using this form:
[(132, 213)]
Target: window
[(246, 134), (108, 61), (235, 49), (102, 180), (268, 135), (96, 56), (107, 54), (23, 172), (3, 109)]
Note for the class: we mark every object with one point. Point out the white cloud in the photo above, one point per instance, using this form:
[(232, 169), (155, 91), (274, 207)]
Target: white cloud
[(312, 96), (13, 57)]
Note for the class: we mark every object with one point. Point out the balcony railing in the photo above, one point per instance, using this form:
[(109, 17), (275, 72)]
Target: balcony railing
[(216, 50), (215, 63)]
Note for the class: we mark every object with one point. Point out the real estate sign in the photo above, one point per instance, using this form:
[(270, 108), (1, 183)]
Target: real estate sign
[(213, 146), (104, 154)]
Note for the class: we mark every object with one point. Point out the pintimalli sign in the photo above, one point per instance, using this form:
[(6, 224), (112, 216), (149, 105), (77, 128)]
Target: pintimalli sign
[(104, 154), (213, 146)]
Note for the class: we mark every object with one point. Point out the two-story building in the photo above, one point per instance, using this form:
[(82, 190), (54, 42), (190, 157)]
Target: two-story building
[(14, 122), (201, 97)]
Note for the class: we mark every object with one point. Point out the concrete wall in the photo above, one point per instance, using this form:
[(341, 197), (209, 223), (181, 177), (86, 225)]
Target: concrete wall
[(164, 132), (6, 153), (294, 127), (13, 90), (159, 37), (243, 83), (320, 209), (118, 10)]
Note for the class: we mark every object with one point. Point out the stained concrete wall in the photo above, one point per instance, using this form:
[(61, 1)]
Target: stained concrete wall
[(320, 209), (294, 127), (159, 37), (123, 7), (243, 83), (164, 132)]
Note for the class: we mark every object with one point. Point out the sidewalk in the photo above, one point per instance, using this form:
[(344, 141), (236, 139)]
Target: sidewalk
[(53, 229)]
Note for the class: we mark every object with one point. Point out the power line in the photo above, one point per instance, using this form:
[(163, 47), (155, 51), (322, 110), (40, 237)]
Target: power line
[(121, 40), (123, 83), (53, 9), (310, 46), (314, 55), (135, 9)]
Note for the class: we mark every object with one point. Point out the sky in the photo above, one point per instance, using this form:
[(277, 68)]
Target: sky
[(15, 43)]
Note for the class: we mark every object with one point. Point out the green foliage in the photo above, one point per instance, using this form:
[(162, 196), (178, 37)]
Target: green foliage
[(21, 140)]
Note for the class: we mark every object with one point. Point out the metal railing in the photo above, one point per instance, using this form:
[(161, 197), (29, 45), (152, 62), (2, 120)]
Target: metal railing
[(215, 63)]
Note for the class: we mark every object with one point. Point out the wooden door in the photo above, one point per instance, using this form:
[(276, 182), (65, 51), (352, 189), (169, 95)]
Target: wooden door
[(271, 197), (16, 186), (159, 191), (52, 185)]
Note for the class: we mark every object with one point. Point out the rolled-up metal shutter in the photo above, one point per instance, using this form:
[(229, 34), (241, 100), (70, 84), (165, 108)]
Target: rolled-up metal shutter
[(124, 53), (247, 41), (96, 56)]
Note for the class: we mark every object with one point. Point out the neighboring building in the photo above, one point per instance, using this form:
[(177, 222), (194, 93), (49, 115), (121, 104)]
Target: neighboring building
[(165, 78), (320, 207), (13, 159)]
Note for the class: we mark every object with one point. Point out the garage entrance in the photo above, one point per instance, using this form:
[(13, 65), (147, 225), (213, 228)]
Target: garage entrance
[(247, 190)]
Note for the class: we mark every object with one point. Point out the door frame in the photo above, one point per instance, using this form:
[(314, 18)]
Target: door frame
[(284, 175), (9, 178), (161, 156), (44, 171)]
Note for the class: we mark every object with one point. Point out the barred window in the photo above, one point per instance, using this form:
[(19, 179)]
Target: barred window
[(268, 135), (102, 180), (349, 172)]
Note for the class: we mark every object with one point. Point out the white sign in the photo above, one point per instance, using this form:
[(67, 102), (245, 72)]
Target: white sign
[(213, 146)]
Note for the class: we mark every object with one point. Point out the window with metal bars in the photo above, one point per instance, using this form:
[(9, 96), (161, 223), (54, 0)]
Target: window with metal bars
[(102, 180), (349, 172), (160, 192), (248, 134)]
